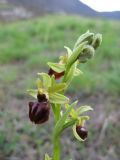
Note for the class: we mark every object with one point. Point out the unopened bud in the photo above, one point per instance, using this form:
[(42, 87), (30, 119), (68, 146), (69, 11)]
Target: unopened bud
[(97, 41), (84, 37), (87, 53)]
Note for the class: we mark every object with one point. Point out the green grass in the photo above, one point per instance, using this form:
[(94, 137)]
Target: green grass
[(32, 43)]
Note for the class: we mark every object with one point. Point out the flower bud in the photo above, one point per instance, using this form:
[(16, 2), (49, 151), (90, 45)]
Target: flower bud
[(97, 41), (56, 74), (39, 111), (84, 37), (87, 53), (82, 132)]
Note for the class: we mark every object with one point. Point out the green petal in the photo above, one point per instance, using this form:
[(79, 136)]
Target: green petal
[(57, 67), (58, 98), (33, 92), (47, 157)]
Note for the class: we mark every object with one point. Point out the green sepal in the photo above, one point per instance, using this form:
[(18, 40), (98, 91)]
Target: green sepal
[(69, 51), (83, 109), (61, 122), (57, 87), (57, 67), (39, 83), (58, 98), (33, 92), (47, 157), (77, 72), (46, 80), (75, 133)]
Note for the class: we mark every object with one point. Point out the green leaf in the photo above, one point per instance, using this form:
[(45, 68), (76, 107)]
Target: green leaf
[(47, 157), (33, 92), (68, 124), (58, 98), (69, 51), (75, 133), (73, 113), (61, 122), (83, 109), (70, 74), (57, 87), (46, 80), (57, 67), (75, 55)]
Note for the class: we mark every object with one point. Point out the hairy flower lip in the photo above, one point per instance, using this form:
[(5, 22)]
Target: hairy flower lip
[(41, 98), (39, 112), (82, 132), (56, 74)]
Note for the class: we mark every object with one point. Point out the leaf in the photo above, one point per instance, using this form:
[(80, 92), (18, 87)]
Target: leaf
[(75, 133), (46, 80), (47, 157), (33, 92), (70, 74), (75, 55), (61, 122), (73, 113), (57, 87), (69, 51), (57, 67), (83, 109), (68, 124), (58, 98)]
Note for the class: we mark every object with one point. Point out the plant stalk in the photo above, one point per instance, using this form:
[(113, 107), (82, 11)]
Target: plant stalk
[(56, 140), (56, 148)]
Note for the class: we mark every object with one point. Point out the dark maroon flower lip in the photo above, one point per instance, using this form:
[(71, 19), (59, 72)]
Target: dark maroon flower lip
[(39, 112), (56, 74), (82, 132), (41, 98)]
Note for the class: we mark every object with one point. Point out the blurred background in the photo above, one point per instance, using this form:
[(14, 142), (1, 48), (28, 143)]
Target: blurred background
[(33, 32)]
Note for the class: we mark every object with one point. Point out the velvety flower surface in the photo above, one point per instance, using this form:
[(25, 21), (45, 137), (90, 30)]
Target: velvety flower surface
[(39, 111), (57, 75), (82, 132)]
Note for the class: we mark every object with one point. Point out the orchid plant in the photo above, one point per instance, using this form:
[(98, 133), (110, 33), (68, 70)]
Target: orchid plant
[(51, 88)]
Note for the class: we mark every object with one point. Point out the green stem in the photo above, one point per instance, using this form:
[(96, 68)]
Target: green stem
[(56, 140), (56, 148)]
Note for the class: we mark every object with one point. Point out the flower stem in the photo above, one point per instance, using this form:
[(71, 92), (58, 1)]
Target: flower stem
[(56, 148), (56, 139)]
